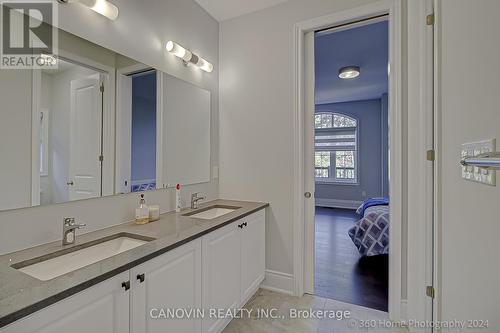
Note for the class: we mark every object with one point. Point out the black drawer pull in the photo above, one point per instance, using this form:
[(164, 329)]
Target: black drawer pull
[(126, 285), (141, 277)]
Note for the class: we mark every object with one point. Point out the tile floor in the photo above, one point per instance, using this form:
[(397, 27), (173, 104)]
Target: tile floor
[(265, 299)]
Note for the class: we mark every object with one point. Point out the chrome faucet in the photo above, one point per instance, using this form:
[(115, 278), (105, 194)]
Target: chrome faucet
[(69, 227), (194, 200)]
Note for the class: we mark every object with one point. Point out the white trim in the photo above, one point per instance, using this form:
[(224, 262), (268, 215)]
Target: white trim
[(404, 309), (338, 203), (278, 281), (438, 167), (420, 171), (36, 104), (393, 7), (159, 129)]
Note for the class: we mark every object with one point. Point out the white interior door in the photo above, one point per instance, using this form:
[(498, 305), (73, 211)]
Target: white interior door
[(468, 224), (86, 136), (309, 180), (123, 133)]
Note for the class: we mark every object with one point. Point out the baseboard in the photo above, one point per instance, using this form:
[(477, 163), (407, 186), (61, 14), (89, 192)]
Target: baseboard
[(338, 203), (278, 281)]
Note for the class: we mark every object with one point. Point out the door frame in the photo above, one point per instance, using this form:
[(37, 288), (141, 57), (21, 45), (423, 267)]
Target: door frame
[(108, 126), (130, 71), (423, 180), (303, 241)]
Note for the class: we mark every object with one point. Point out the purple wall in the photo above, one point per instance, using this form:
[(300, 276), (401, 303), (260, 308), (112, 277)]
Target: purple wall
[(372, 147)]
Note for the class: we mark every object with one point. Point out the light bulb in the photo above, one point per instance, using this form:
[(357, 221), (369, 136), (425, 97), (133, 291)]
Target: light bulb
[(188, 56), (204, 65), (178, 51), (102, 7)]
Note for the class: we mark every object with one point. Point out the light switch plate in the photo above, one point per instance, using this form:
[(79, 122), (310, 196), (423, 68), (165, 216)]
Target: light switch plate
[(477, 174)]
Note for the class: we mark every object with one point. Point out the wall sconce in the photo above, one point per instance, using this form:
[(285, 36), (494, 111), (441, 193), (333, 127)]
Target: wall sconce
[(188, 57), (102, 7)]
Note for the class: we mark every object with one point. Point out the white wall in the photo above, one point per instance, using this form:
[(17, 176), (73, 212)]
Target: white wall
[(256, 113), (140, 33), (15, 146), (469, 222)]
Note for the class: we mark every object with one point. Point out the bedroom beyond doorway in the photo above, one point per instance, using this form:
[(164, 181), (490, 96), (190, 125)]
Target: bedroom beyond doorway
[(351, 157)]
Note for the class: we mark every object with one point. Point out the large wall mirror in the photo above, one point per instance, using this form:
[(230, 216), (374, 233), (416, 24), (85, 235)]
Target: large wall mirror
[(100, 124)]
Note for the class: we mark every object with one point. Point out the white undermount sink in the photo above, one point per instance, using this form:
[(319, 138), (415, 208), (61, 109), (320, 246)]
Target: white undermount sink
[(212, 212), (62, 262)]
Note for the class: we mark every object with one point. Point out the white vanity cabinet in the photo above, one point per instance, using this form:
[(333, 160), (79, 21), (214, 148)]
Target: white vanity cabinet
[(220, 270), (221, 273), (253, 254), (233, 267), (103, 307), (171, 281)]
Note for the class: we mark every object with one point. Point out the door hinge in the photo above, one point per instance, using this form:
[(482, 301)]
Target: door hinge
[(101, 158), (429, 291), (101, 88), (431, 155), (430, 19)]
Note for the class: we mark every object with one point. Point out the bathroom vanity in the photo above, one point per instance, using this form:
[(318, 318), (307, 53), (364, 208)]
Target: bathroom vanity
[(212, 257)]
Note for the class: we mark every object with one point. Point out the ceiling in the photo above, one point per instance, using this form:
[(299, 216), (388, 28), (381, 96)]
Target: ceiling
[(226, 9), (366, 47)]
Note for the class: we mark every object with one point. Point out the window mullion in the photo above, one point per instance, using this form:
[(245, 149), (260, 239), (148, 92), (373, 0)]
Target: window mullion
[(333, 166)]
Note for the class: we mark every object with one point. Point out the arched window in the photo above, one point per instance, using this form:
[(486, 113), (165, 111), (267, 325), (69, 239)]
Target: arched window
[(335, 148)]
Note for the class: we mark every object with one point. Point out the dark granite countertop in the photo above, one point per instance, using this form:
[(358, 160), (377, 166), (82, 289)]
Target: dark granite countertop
[(21, 294)]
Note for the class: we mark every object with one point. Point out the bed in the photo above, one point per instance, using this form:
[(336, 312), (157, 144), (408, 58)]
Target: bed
[(370, 234)]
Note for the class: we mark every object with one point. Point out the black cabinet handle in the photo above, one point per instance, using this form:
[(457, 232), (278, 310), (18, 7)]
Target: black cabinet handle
[(141, 277), (240, 226), (126, 285)]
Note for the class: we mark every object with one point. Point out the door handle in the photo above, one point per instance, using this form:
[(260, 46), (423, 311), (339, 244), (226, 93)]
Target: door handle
[(70, 183), (307, 195), (141, 277)]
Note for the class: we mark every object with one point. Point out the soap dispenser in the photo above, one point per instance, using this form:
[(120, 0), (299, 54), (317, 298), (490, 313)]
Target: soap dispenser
[(142, 213)]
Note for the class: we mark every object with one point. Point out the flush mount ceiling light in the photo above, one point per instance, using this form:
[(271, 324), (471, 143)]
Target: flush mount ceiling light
[(349, 72), (102, 7), (188, 56)]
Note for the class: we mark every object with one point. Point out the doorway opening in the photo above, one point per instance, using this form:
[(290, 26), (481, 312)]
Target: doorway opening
[(69, 108), (351, 163), (136, 137), (143, 148)]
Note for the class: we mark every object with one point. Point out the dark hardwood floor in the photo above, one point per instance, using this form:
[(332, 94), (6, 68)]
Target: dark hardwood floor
[(340, 272)]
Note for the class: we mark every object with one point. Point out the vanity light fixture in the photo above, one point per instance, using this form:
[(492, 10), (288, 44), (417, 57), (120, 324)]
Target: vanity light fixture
[(188, 56), (103, 7), (349, 72)]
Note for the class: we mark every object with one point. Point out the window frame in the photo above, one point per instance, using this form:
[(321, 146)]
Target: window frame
[(332, 169)]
